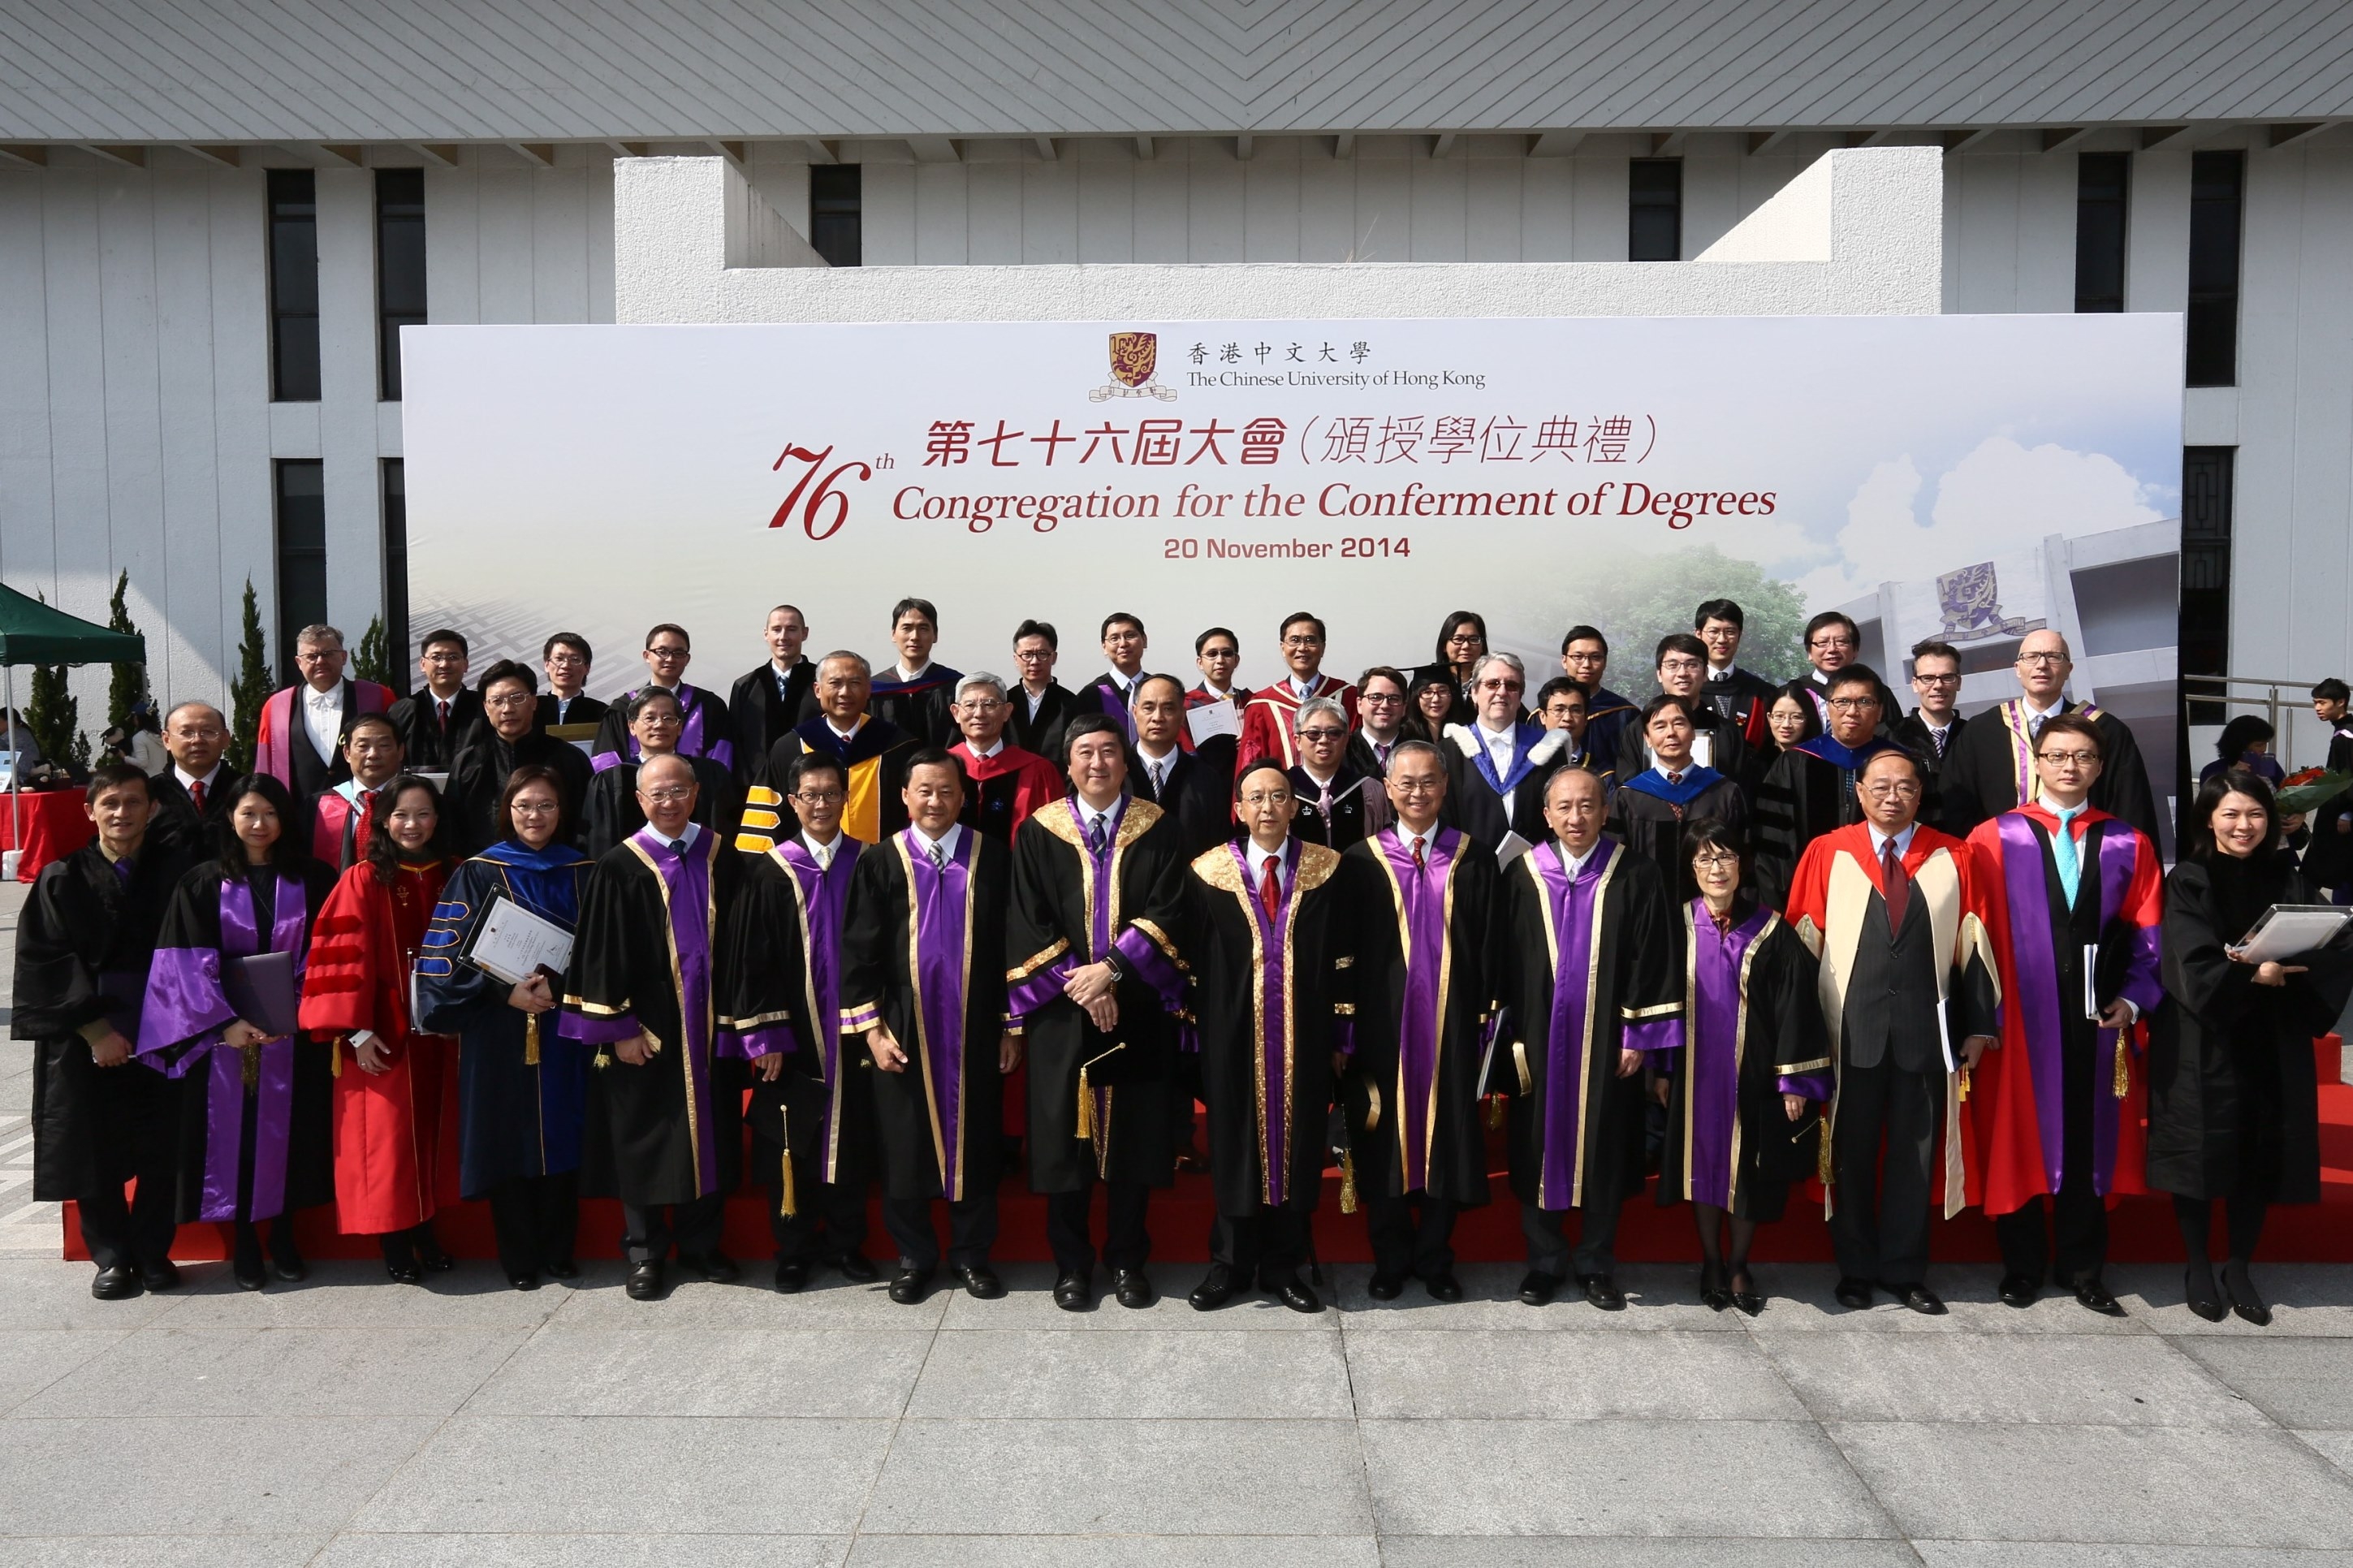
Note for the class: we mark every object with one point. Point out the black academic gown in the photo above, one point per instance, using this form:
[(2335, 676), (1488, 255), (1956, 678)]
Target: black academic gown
[(612, 813), (2330, 854), (708, 731), (1198, 792), (955, 1081), (925, 709), (1912, 733), (428, 745), (177, 826), (1728, 751), (1042, 733), (2233, 1103), (1472, 805), (1354, 813), (1258, 1111), (584, 709), (480, 772), (1980, 778), (759, 712), (1459, 973), (1061, 903), (85, 938), (1101, 695), (1630, 963), (1652, 824), (668, 1130)]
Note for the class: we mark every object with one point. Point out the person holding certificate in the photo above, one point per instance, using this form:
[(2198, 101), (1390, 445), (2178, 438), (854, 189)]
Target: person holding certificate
[(221, 1010), (521, 1087), (2233, 1098)]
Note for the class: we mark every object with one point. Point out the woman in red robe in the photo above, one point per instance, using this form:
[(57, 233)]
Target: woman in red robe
[(390, 1079)]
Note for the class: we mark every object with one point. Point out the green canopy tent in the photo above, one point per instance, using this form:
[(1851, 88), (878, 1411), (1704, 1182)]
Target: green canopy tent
[(32, 633)]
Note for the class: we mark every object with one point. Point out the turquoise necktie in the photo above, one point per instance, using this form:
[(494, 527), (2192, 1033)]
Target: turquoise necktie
[(2064, 854)]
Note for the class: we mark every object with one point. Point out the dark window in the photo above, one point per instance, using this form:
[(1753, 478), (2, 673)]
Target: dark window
[(1654, 217), (301, 554), (293, 286), (2206, 570), (399, 269), (2103, 189), (834, 212), (396, 571), (2218, 188)]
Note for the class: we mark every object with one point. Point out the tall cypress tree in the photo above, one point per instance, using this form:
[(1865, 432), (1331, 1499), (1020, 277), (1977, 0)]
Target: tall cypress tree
[(373, 661), (251, 689), (53, 714), (129, 687)]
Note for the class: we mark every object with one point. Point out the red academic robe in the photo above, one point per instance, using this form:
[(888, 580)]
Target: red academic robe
[(387, 1125), (280, 724), (2017, 1155), (1270, 718), (1037, 780)]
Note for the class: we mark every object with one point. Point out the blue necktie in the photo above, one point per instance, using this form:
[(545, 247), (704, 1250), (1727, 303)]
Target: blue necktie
[(2064, 856)]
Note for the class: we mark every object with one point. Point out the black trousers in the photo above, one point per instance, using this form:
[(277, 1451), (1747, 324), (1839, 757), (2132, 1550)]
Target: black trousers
[(972, 1230), (1268, 1243), (829, 1219), (536, 1219), (648, 1233), (1126, 1243), (1879, 1220), (132, 1117), (830, 1223), (1547, 1232), (1406, 1244), (2077, 1212), (133, 1235)]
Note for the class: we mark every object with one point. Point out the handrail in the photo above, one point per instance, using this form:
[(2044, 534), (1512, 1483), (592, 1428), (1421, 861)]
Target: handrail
[(2218, 689)]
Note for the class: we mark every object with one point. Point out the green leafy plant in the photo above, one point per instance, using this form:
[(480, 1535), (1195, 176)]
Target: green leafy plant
[(251, 689), (54, 715), (374, 660), (129, 687)]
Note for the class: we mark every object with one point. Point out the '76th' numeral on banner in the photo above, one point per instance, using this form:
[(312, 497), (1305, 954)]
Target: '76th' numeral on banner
[(821, 497)]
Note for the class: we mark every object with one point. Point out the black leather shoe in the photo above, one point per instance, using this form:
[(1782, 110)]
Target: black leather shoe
[(429, 1254), (858, 1268), (791, 1275), (120, 1283), (1385, 1287), (1714, 1294), (563, 1268), (1214, 1290), (2093, 1295), (2198, 1290), (1293, 1293), (645, 1282), (1855, 1294), (1443, 1286), (2243, 1298), (1131, 1287), (1603, 1291), (1075, 1290), (523, 1281), (980, 1282), (1748, 1303), (404, 1271), (1918, 1298), (288, 1266), (2018, 1289), (910, 1286), (713, 1265), (159, 1275), (1538, 1288)]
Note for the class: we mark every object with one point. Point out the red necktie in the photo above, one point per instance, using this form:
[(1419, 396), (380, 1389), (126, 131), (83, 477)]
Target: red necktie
[(196, 794), (1270, 887), (1898, 885), (1419, 862), (444, 714), (366, 825)]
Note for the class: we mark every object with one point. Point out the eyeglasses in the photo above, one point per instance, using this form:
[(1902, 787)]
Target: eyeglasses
[(2043, 657), (984, 704), (1302, 642), (667, 797), (1899, 790), (507, 700), (563, 657), (821, 796), (2062, 759), (1366, 699), (317, 656), (669, 652), (532, 807), (1417, 786), (1464, 640), (1825, 644), (1708, 862), (1935, 680), (1033, 655), (1852, 705), (1268, 797), (1321, 735), (1678, 667)]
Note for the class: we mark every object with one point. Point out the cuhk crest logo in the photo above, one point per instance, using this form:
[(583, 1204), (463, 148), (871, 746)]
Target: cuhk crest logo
[(1134, 357)]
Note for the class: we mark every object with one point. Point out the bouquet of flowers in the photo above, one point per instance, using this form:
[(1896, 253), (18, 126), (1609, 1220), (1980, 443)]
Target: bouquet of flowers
[(2301, 792)]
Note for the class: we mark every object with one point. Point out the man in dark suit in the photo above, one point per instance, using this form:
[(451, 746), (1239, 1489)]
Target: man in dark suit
[(438, 722), (1335, 809), (1114, 692), (1741, 695), (1196, 787), (1929, 731), (1896, 913), (1380, 719), (1042, 706), (566, 658), (198, 790), (781, 692)]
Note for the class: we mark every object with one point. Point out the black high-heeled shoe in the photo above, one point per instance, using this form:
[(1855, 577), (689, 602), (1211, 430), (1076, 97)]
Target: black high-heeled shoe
[(2244, 1300), (2198, 1290), (1750, 1302), (1714, 1293)]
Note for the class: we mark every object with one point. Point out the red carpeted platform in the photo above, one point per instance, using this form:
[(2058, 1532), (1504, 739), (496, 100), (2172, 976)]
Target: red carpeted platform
[(2141, 1228)]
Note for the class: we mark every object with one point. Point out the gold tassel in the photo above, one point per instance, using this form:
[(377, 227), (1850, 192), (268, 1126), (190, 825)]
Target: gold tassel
[(1823, 1151), (1347, 1181), (530, 1039), (336, 1057), (1961, 1077), (1495, 1113), (250, 1065), (791, 1206), (1086, 1107), (2124, 1074)]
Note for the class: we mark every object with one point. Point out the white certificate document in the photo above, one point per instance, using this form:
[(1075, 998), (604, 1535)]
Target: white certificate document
[(1512, 848), (2288, 929), (512, 943), (1216, 718)]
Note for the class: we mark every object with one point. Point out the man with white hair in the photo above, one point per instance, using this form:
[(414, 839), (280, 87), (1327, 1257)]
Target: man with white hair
[(1499, 765), (1990, 768), (1335, 801), (300, 739), (1007, 784)]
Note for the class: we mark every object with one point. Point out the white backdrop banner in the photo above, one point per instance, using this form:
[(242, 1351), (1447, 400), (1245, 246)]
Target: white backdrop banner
[(1379, 473)]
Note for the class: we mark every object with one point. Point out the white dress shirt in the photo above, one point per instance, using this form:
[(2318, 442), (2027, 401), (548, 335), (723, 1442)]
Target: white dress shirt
[(821, 853), (1574, 864), (1499, 750), (323, 718), (1407, 838), (685, 839), (945, 843), (1903, 842), (210, 780), (995, 747), (1254, 861), (1089, 817), (1157, 766), (1306, 688)]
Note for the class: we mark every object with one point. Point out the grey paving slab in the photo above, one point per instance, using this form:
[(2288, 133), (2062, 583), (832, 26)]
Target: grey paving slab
[(1028, 1303), (189, 1475), (2070, 1380), (1142, 1376), (2296, 1383), (17, 1094), (33, 1358), (1531, 1373), (1636, 1551), (708, 1371), (355, 1295), (260, 1372), (582, 1551), (1700, 1478), (830, 1303), (46, 1293), (2047, 1554), (2126, 1485), (1094, 1477), (160, 1550), (2306, 1298), (1659, 1296), (2336, 1447), (1128, 1550), (548, 1475), (1803, 1295)]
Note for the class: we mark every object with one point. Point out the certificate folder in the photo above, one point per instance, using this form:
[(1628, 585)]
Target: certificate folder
[(2288, 929), (262, 990), (511, 944)]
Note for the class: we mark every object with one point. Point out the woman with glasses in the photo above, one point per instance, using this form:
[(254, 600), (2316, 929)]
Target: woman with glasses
[(1430, 704), (1743, 1093), (521, 1087), (612, 813), (1462, 643), (2232, 1093)]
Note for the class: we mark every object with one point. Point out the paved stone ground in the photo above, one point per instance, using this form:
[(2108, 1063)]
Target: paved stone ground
[(348, 1421)]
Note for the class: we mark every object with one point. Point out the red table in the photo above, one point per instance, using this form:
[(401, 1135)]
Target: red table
[(55, 826)]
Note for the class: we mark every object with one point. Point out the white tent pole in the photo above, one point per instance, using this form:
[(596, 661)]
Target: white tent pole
[(15, 769)]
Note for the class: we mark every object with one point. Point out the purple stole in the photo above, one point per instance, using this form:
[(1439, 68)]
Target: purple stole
[(691, 915), (1115, 706), (693, 703), (821, 896), (1424, 900), (2042, 1010), (1271, 1047), (1572, 911), (185, 1002), (2014, 730), (939, 935), (1715, 1014)]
